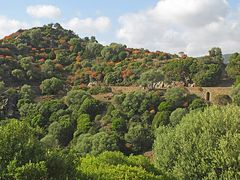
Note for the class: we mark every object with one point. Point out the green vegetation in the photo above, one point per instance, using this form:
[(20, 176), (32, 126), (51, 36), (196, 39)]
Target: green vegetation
[(204, 145), (62, 118)]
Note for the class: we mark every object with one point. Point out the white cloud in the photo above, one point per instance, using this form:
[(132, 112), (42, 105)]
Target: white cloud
[(8, 26), (193, 26), (44, 11), (88, 26)]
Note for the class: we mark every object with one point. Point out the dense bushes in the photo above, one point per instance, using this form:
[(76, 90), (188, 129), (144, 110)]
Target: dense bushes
[(114, 165), (204, 145), (51, 86), (62, 132)]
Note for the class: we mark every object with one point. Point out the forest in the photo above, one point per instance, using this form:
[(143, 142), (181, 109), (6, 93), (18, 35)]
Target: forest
[(53, 127)]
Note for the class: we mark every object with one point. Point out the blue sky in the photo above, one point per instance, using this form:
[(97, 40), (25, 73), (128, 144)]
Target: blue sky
[(168, 25)]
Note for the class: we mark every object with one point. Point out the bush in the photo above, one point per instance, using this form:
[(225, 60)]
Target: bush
[(26, 92), (161, 119), (223, 100), (236, 95), (2, 86), (116, 166), (197, 104), (140, 138), (83, 124), (99, 89), (51, 86), (176, 96), (205, 145), (177, 115)]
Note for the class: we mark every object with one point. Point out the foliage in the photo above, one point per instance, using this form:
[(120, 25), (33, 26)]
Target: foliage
[(236, 95), (51, 86), (139, 137), (114, 165), (176, 116), (18, 145), (233, 68), (204, 145), (223, 100)]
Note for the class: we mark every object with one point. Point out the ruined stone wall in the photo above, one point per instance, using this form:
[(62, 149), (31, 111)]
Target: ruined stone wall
[(212, 92)]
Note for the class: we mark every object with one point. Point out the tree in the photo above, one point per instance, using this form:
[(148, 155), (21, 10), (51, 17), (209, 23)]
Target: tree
[(116, 166), (30, 171), (233, 67), (151, 77), (62, 130), (113, 78), (103, 141), (176, 116), (180, 70), (90, 106), (75, 98), (236, 95), (18, 145), (83, 124), (161, 119), (119, 125), (137, 103), (176, 96), (2, 86), (197, 104), (26, 63), (19, 74), (122, 55), (51, 86), (205, 145), (140, 138), (48, 68), (83, 144), (26, 92), (215, 52)]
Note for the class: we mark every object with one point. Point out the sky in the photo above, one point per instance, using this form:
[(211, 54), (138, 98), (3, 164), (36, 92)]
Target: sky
[(192, 26)]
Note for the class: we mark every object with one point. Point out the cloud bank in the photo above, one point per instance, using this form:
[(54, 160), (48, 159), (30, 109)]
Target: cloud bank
[(88, 26), (193, 26), (43, 11), (8, 26)]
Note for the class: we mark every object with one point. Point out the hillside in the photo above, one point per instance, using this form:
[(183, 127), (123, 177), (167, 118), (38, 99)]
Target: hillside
[(71, 108)]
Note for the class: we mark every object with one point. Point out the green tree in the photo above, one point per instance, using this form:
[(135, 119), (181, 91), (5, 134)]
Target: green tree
[(116, 166), (233, 67), (197, 104), (51, 86), (75, 98), (2, 86), (18, 145), (140, 138), (103, 141), (30, 171), (27, 92), (205, 145), (83, 124), (176, 116), (236, 95), (119, 125), (62, 130), (151, 77), (19, 74), (161, 119), (176, 96)]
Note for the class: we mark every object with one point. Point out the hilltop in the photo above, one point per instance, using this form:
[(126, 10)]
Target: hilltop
[(40, 53)]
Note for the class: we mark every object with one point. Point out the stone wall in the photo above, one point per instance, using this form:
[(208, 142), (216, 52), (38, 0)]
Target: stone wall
[(209, 93)]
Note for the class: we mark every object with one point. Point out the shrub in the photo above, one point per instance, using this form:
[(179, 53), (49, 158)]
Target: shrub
[(51, 86)]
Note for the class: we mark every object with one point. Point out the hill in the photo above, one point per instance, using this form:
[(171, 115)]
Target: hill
[(71, 108)]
